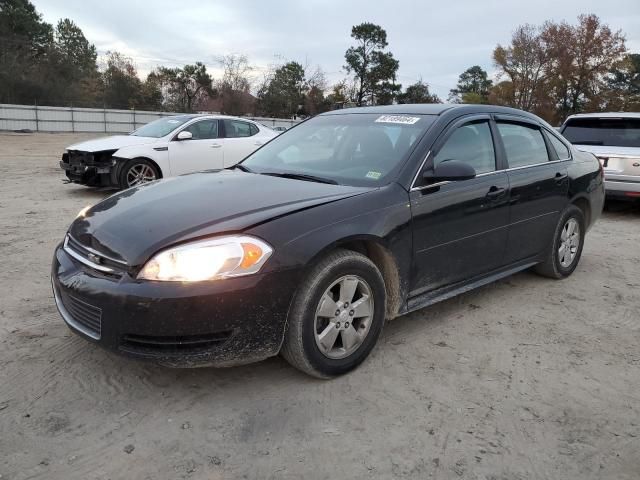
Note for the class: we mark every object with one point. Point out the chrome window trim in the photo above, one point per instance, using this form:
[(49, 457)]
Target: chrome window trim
[(562, 141), (414, 189), (81, 259), (415, 178), (550, 162)]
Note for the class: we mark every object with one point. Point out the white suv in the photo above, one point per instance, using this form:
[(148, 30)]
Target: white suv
[(615, 139)]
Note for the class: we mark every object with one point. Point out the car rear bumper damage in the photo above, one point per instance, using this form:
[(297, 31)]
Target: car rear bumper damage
[(220, 323)]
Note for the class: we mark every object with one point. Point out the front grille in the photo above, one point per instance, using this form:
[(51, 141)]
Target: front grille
[(173, 344), (96, 260), (84, 314), (80, 158)]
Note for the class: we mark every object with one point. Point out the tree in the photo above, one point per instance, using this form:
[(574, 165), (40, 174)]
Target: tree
[(418, 93), (22, 28), (387, 92), (150, 97), (315, 84), (373, 69), (580, 58), (234, 87), (558, 69), (122, 87), (524, 63), (74, 48), (473, 86), (623, 85), (281, 94), (25, 42), (76, 72), (185, 86)]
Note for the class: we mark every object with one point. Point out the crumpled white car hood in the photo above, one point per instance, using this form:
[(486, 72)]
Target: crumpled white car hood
[(111, 143)]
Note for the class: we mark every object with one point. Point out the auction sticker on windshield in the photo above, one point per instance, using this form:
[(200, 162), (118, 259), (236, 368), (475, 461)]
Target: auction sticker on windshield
[(401, 119)]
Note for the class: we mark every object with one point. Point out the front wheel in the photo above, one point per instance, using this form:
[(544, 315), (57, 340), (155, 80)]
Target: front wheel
[(564, 253), (137, 172), (336, 316)]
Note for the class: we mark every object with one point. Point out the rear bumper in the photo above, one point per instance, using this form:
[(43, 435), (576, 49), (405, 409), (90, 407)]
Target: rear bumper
[(219, 323), (622, 186)]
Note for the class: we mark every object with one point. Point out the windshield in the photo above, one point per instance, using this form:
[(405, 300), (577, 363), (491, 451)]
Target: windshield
[(618, 132), (161, 127), (349, 149)]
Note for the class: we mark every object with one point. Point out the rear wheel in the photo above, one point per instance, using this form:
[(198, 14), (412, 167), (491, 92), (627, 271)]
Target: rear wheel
[(564, 254), (137, 172), (336, 316)]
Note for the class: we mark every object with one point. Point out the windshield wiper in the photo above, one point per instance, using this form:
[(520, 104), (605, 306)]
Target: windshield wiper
[(239, 166), (301, 176)]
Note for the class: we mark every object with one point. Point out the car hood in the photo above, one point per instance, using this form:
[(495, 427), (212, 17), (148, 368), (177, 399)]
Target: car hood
[(610, 151), (136, 223), (114, 142)]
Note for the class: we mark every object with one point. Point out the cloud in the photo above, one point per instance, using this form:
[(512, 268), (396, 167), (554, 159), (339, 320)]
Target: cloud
[(432, 41)]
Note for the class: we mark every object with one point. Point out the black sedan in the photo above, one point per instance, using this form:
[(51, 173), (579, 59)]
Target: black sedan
[(308, 245)]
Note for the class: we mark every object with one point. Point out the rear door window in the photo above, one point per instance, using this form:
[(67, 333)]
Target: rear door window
[(612, 132), (238, 128), (561, 149), (523, 144)]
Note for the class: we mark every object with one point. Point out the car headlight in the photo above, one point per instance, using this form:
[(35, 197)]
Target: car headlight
[(216, 258)]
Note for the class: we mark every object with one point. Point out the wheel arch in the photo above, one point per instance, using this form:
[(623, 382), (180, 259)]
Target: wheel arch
[(122, 161), (380, 254), (150, 160), (583, 202)]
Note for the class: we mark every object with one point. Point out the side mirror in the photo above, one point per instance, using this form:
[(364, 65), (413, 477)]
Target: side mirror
[(450, 170), (184, 135)]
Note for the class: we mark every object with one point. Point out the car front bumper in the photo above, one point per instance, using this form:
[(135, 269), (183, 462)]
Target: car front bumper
[(219, 323)]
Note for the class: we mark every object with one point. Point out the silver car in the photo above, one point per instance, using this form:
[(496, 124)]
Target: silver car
[(615, 139)]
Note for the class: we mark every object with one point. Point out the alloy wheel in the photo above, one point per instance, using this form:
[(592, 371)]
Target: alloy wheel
[(343, 317), (139, 174), (569, 242)]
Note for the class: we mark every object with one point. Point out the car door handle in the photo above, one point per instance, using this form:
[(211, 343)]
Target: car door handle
[(216, 145), (560, 177), (258, 142), (495, 192)]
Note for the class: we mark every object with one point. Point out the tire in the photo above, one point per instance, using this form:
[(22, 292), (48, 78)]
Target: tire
[(309, 332), (553, 266), (137, 165)]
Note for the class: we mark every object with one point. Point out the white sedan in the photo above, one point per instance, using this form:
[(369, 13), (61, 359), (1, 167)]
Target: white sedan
[(163, 148)]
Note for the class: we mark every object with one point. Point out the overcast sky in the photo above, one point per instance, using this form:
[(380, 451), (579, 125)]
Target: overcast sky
[(434, 41)]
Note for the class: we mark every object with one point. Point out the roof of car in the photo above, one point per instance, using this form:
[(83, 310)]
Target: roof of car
[(183, 115), (429, 109), (210, 115), (606, 115)]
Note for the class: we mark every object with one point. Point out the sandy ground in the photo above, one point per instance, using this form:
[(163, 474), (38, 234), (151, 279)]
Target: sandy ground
[(527, 378)]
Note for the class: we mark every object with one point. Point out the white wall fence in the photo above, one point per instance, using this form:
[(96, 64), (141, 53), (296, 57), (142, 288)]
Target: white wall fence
[(90, 120)]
